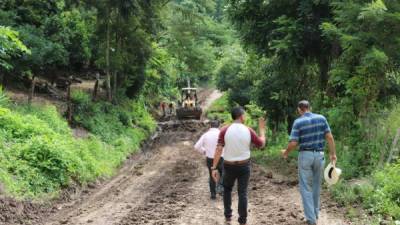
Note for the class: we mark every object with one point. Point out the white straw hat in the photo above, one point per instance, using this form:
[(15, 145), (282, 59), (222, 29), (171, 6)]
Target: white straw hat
[(332, 174)]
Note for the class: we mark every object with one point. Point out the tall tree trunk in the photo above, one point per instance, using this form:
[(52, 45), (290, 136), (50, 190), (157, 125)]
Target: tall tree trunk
[(115, 75), (108, 78), (323, 73), (96, 87), (32, 92), (69, 103), (2, 76)]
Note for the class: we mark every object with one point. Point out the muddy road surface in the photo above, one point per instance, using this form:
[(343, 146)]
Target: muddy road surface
[(151, 189), (165, 184)]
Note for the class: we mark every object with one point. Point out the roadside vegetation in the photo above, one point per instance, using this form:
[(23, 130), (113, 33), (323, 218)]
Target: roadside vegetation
[(40, 155), (339, 56), (139, 53), (376, 190), (343, 56)]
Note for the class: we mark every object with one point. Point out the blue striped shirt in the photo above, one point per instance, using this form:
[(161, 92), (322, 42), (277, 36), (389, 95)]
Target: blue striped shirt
[(309, 131)]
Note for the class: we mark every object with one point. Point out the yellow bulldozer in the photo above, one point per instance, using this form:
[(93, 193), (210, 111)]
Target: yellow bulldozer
[(188, 107)]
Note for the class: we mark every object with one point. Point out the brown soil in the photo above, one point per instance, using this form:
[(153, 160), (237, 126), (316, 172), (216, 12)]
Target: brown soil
[(167, 184)]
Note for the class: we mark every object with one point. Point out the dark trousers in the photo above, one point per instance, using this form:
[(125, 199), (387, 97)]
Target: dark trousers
[(241, 173), (213, 185)]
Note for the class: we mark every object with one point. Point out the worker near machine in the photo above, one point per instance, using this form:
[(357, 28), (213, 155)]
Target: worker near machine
[(163, 106), (235, 140), (185, 102), (191, 102), (171, 108), (207, 145)]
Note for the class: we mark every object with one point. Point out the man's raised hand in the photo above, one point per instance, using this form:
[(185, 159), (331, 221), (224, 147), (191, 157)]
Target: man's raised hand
[(261, 123)]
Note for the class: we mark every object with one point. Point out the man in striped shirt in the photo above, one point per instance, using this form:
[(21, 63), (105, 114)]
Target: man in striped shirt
[(309, 132)]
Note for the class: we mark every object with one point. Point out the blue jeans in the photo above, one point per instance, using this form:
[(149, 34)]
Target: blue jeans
[(311, 166)]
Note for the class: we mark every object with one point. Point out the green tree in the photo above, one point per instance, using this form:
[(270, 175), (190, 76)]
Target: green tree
[(287, 30), (10, 46), (366, 70), (193, 37), (125, 30), (58, 36)]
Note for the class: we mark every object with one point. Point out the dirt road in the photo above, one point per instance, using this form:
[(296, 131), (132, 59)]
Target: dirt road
[(167, 184)]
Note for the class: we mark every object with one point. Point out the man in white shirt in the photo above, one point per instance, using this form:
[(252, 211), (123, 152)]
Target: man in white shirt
[(207, 145), (236, 140)]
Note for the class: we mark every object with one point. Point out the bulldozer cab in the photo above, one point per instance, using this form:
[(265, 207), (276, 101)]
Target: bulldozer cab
[(189, 97)]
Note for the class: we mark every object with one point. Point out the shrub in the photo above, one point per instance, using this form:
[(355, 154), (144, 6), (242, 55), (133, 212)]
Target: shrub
[(4, 100), (220, 110), (46, 113), (384, 197), (112, 121), (33, 154), (39, 155)]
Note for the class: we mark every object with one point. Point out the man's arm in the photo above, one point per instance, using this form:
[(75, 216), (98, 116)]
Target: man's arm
[(291, 146), (218, 153), (262, 128), (293, 141), (332, 147), (217, 157), (259, 141), (199, 145)]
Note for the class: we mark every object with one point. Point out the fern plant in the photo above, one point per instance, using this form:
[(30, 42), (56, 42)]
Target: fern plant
[(4, 100)]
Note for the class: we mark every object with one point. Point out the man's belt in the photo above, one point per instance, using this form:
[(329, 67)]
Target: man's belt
[(311, 150), (241, 162)]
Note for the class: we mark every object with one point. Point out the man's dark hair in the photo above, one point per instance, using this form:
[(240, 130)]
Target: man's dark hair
[(214, 123), (304, 105), (237, 112)]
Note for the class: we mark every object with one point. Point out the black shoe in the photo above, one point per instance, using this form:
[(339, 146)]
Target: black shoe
[(242, 223), (228, 219), (310, 223), (213, 197)]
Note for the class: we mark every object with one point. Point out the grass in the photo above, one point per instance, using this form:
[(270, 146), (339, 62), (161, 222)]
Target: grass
[(218, 110), (39, 155)]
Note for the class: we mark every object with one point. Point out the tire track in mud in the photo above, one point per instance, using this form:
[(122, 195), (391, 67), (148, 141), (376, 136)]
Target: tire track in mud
[(272, 201), (170, 187), (158, 176), (165, 203)]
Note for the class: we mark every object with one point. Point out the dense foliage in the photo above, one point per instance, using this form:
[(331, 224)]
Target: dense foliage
[(266, 55), (133, 44), (340, 55), (39, 154), (10, 47), (144, 52)]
